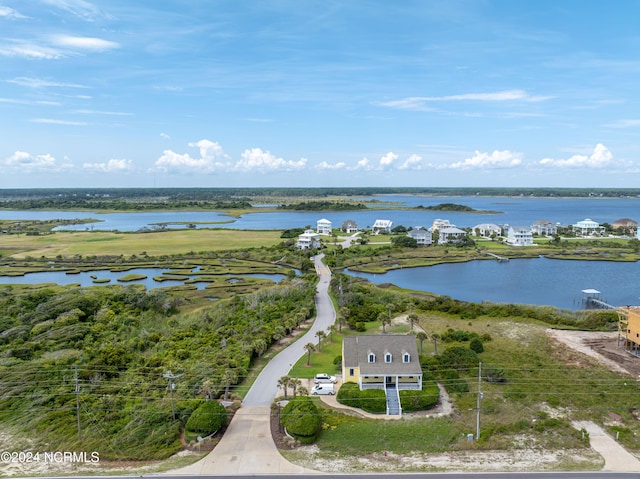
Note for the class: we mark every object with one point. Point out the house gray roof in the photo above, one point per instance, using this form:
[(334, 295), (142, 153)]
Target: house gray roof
[(356, 349)]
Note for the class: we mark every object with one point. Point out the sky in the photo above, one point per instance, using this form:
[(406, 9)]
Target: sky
[(276, 93)]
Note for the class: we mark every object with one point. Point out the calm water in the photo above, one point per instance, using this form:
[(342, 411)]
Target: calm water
[(515, 211), (85, 279), (538, 281)]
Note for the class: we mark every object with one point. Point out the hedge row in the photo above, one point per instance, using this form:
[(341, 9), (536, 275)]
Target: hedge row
[(370, 400), (420, 400)]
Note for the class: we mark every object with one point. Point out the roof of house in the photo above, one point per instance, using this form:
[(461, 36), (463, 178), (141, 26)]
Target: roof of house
[(542, 222), (382, 224), (451, 230), (356, 349)]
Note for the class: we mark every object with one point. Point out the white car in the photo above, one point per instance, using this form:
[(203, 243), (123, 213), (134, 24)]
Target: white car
[(324, 378)]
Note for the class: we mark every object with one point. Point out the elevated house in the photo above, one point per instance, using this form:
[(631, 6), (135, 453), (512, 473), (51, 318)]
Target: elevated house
[(632, 334), (350, 227), (487, 230), (544, 228), (520, 236), (450, 234), (588, 227), (382, 227), (439, 223), (324, 227), (423, 237), (309, 240), (382, 361)]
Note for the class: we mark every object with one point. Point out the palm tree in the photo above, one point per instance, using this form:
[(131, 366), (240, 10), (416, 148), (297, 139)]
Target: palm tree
[(208, 389), (284, 382), (320, 334), (295, 383), (421, 336), (309, 347), (228, 378), (384, 319), (435, 337), (331, 330), (413, 317)]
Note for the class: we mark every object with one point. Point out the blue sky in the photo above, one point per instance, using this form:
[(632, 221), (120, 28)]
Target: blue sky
[(223, 93)]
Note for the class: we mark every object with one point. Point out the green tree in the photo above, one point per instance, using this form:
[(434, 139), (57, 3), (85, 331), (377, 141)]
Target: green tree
[(301, 419), (476, 345), (208, 418), (283, 383), (309, 347), (320, 334), (421, 336)]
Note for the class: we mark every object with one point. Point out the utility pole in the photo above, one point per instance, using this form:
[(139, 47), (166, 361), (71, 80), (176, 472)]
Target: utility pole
[(479, 399), (170, 376), (78, 403)]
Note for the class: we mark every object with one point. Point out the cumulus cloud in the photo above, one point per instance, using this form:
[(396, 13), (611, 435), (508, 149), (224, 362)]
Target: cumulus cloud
[(600, 158), (364, 164), (387, 160), (255, 159), (414, 162), (422, 102), (212, 159), (497, 159), (112, 166), (328, 166), (22, 161), (165, 136)]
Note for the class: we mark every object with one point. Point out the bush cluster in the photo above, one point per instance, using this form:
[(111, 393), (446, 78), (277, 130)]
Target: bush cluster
[(370, 400), (301, 419), (210, 417)]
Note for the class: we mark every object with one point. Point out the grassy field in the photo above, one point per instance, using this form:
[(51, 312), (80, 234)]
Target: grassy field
[(154, 244)]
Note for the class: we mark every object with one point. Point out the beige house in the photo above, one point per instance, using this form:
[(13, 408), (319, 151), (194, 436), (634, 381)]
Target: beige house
[(382, 361)]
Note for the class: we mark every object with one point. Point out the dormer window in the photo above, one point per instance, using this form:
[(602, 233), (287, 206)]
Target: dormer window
[(372, 358), (387, 358), (406, 358)]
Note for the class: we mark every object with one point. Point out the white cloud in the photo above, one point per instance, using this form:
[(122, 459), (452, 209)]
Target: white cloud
[(387, 160), (112, 166), (363, 164), (165, 136), (255, 159), (212, 159), (100, 112), (79, 8), (24, 162), (414, 162), (600, 158), (422, 102), (83, 43), (39, 83), (19, 48), (624, 124), (54, 121), (328, 166), (8, 12), (497, 159)]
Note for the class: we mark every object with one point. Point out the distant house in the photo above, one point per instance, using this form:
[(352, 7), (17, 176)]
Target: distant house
[(450, 234), (423, 237), (324, 227), (382, 227), (625, 224), (588, 227), (487, 229), (544, 228), (349, 226), (520, 236), (309, 240), (381, 361), (438, 224)]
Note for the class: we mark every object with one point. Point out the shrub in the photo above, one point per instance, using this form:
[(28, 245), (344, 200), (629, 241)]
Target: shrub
[(370, 400), (301, 419), (208, 418), (476, 345), (337, 360), (427, 398)]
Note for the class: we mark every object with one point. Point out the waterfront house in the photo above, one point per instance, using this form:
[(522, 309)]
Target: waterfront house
[(381, 361), (438, 223), (349, 227), (520, 236), (382, 227), (423, 237), (324, 227), (544, 228), (309, 240), (588, 227), (487, 230), (450, 234)]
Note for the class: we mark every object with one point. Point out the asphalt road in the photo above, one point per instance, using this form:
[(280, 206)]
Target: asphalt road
[(265, 387)]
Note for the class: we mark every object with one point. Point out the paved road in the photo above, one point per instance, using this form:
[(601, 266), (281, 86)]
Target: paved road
[(247, 446)]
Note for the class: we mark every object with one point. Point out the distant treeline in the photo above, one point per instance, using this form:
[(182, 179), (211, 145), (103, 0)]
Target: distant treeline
[(453, 207), (253, 194), (118, 204), (323, 206)]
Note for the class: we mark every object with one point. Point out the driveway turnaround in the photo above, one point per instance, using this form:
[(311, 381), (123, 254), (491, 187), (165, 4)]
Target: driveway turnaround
[(247, 446)]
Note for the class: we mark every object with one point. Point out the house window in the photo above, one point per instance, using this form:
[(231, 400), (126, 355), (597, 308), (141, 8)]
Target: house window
[(387, 358), (351, 372), (406, 358), (372, 358)]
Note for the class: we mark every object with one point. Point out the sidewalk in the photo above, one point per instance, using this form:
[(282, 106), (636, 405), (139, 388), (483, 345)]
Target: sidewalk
[(616, 458)]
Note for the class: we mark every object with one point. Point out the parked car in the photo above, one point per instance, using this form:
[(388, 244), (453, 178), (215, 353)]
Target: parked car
[(325, 388), (324, 378)]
